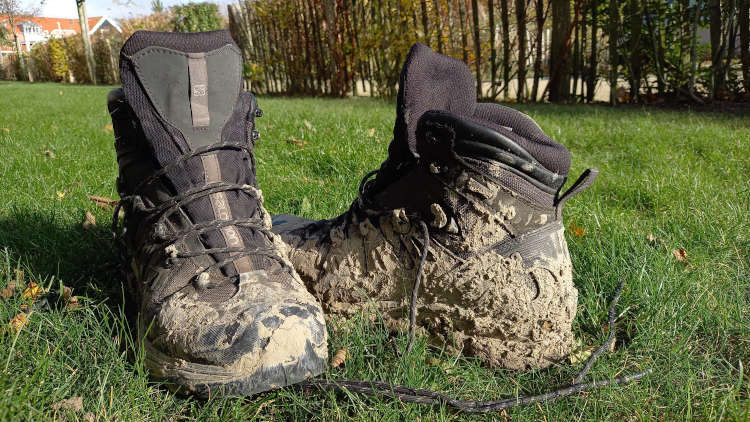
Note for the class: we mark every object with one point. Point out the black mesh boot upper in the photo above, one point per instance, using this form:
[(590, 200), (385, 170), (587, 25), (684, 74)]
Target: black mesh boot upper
[(220, 307)]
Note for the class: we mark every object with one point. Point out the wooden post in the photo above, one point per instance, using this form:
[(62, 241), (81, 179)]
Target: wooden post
[(88, 51)]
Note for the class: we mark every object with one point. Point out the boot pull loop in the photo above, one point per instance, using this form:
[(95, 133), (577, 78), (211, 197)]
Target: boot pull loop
[(585, 180)]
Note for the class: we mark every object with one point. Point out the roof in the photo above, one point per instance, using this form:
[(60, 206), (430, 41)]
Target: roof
[(55, 26), (51, 24)]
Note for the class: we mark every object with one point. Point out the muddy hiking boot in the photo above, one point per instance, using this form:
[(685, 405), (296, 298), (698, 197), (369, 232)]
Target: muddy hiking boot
[(221, 309), (467, 211)]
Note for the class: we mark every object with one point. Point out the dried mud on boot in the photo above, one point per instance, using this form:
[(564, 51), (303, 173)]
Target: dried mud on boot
[(497, 279)]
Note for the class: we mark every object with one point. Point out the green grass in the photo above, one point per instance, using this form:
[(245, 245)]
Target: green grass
[(682, 177)]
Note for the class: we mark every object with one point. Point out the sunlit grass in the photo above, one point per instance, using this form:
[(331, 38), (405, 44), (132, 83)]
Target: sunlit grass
[(682, 177)]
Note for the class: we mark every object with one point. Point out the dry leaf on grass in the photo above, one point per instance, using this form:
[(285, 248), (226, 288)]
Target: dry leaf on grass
[(681, 256), (49, 154), (339, 358), (72, 303), (89, 221), (61, 92), (5, 129), (294, 141), (102, 201), (18, 322), (577, 231), (371, 132), (9, 290), (32, 291), (308, 125), (108, 128), (580, 353), (89, 417), (74, 403)]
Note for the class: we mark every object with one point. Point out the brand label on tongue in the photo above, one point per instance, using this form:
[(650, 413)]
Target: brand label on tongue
[(198, 89)]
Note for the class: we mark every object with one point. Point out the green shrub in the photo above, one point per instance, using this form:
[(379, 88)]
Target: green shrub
[(195, 17)]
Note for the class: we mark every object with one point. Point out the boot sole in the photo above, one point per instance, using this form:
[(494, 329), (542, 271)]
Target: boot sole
[(204, 381)]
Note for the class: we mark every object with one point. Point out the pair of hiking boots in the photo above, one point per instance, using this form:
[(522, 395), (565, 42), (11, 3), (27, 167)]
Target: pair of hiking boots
[(459, 232)]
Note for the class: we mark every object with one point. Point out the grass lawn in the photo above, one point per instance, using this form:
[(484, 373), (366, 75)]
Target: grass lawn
[(682, 177)]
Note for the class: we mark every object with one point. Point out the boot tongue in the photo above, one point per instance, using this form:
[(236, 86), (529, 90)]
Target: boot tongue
[(429, 81), (185, 90)]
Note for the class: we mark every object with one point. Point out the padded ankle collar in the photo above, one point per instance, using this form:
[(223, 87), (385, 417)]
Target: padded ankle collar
[(480, 142)]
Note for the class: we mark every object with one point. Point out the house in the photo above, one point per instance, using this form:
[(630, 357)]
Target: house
[(32, 30)]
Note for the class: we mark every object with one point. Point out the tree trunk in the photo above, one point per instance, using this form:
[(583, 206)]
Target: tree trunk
[(335, 72), (88, 51), (521, 28), (477, 46), (439, 26), (576, 53), (744, 23), (582, 65), (425, 23), (636, 22), (614, 24), (462, 22), (693, 42), (716, 46), (559, 82), (506, 45), (19, 53), (591, 81), (493, 51), (540, 18)]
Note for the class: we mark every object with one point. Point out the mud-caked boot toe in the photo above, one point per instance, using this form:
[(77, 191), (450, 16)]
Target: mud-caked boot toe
[(260, 339), (220, 307)]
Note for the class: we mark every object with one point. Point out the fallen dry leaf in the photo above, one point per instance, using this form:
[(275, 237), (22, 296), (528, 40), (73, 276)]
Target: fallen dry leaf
[(294, 141), (580, 353), (67, 293), (74, 403), (5, 129), (308, 125), (89, 417), (102, 201), (371, 132), (32, 291), (72, 303), (577, 231), (61, 92), (9, 290), (89, 221), (108, 128), (339, 358), (49, 154), (18, 322), (612, 345), (680, 255)]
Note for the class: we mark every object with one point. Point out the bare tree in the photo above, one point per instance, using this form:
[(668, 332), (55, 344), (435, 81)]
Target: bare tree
[(14, 10), (614, 25), (559, 81), (88, 51), (521, 28), (477, 46), (744, 23)]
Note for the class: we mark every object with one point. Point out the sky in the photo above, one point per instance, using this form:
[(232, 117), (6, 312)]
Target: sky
[(112, 8)]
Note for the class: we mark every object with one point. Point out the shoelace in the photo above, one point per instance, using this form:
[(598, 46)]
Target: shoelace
[(156, 215)]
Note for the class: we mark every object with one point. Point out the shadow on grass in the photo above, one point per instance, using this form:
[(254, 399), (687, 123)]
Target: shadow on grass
[(84, 259)]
